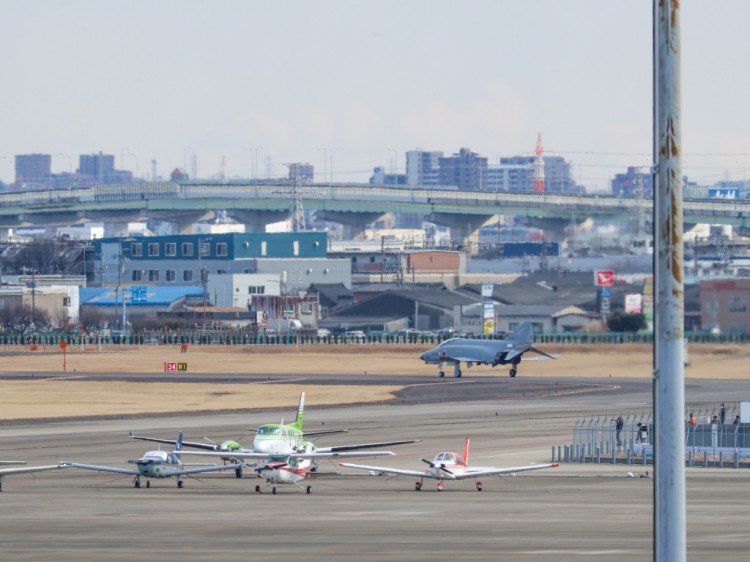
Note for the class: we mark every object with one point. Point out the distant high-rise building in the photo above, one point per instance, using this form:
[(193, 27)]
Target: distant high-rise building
[(381, 177), (100, 168), (467, 170), (636, 182), (303, 172), (33, 170), (422, 167), (516, 174), (97, 166)]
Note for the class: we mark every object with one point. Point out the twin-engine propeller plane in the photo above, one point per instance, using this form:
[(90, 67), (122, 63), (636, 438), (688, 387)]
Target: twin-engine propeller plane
[(156, 464), (449, 466), (280, 454), (21, 469), (508, 351), (275, 443)]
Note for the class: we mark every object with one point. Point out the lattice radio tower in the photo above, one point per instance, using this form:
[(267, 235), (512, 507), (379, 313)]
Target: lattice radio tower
[(296, 210), (539, 166)]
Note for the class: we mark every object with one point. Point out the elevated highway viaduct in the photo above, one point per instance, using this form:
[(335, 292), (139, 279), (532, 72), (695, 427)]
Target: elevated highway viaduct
[(354, 205)]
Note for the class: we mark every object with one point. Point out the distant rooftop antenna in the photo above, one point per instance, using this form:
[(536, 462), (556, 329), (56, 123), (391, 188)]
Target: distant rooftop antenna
[(153, 169), (539, 166)]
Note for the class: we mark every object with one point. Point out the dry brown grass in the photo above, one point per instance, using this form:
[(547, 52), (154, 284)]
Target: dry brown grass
[(40, 398)]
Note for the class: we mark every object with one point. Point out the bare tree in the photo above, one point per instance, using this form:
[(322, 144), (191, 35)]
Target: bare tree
[(23, 320)]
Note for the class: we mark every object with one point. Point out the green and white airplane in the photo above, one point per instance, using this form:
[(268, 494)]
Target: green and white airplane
[(285, 457), (274, 439), (156, 464)]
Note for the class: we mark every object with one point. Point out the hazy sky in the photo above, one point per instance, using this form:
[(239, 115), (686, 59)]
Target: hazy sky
[(348, 85)]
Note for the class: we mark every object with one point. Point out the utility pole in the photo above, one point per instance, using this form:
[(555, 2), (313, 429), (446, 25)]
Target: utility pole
[(670, 529)]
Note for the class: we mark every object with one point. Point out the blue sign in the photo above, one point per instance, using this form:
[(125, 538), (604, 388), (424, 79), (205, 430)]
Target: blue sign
[(724, 193), (138, 295)]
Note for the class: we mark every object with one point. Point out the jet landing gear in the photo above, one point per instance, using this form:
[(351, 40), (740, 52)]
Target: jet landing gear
[(457, 370), (179, 483), (513, 372), (136, 482)]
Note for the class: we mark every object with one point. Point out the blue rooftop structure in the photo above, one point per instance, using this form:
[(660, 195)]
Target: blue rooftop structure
[(138, 296)]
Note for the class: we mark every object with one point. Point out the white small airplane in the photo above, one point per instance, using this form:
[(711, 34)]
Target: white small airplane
[(21, 470), (291, 468), (449, 466), (156, 464)]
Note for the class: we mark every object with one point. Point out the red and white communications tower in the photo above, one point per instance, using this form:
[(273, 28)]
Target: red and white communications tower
[(539, 166)]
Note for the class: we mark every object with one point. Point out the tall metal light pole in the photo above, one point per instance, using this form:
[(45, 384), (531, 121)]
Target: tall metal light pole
[(670, 535), (325, 163)]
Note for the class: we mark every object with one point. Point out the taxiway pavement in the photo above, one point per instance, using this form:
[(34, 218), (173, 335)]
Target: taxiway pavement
[(575, 512)]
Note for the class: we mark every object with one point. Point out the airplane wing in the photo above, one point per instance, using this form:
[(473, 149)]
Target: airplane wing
[(193, 444), (25, 469), (12, 462), (64, 464), (474, 473), (540, 352), (386, 470), (325, 432), (342, 448), (319, 455), (206, 469), (230, 454)]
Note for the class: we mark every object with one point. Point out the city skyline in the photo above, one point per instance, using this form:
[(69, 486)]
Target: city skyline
[(348, 88)]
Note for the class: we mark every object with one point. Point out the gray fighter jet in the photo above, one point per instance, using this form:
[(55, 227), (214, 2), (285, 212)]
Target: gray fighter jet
[(508, 351)]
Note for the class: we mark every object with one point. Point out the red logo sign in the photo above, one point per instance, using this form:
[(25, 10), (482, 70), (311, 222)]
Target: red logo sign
[(170, 366), (605, 277)]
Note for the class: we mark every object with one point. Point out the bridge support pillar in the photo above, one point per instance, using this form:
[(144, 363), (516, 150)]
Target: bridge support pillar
[(183, 222), (464, 228), (256, 221), (6, 233), (354, 223)]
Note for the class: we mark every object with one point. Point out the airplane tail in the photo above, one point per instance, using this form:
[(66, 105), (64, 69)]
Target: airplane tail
[(466, 451), (300, 410), (523, 333), (178, 446)]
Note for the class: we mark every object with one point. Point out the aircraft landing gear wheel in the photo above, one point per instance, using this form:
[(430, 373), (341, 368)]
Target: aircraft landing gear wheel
[(273, 490), (441, 374), (457, 374), (148, 483), (513, 372), (257, 489), (137, 484), (179, 483), (238, 472), (308, 490)]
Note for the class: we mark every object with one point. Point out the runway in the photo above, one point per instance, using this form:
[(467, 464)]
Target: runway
[(575, 512)]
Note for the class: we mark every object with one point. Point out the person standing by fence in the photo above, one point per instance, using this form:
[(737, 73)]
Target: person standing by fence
[(619, 424), (722, 414)]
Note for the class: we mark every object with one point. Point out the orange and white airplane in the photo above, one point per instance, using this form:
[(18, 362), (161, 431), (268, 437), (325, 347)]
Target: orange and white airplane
[(449, 466)]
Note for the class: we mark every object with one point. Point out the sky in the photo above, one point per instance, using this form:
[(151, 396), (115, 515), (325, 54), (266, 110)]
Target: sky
[(245, 86)]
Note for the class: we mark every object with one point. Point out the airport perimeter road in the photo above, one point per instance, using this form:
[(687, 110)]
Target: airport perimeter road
[(572, 513)]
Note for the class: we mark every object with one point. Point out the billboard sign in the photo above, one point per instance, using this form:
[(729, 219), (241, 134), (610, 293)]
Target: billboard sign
[(487, 290), (604, 277), (724, 193), (634, 303)]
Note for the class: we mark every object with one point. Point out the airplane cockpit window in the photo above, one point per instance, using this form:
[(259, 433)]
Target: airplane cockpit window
[(269, 431)]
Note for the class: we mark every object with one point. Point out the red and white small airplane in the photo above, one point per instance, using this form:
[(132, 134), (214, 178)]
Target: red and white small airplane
[(449, 466)]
